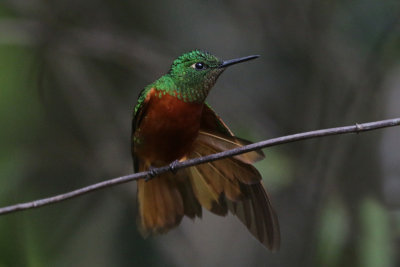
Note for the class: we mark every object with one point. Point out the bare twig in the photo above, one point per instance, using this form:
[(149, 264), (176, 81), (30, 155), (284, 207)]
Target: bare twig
[(357, 128)]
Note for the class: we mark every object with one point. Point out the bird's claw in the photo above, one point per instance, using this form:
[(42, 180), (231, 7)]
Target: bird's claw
[(151, 174), (153, 171), (173, 165)]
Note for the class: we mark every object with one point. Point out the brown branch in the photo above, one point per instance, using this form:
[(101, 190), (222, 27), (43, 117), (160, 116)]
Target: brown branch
[(357, 128)]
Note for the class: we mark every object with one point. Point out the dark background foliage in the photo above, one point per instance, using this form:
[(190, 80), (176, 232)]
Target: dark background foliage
[(70, 73)]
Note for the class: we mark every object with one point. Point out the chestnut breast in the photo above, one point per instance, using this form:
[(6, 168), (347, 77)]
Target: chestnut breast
[(168, 128)]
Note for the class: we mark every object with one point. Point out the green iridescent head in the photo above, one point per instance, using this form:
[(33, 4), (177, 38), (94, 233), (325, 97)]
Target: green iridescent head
[(195, 73)]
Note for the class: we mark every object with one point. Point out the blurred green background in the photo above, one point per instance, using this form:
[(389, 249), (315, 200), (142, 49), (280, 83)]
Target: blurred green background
[(70, 73)]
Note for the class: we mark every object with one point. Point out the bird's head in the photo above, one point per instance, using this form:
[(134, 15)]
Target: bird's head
[(196, 72)]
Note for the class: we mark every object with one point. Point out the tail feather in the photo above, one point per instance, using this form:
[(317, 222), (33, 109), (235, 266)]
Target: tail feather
[(230, 184), (160, 205)]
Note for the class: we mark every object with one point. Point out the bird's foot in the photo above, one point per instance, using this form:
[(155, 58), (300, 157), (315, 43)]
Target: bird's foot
[(173, 165), (151, 174)]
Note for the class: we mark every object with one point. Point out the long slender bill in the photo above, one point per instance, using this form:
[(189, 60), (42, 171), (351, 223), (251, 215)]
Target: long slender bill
[(230, 62)]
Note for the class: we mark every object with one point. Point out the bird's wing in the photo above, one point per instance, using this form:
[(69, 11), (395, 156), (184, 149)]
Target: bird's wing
[(138, 114), (217, 132), (232, 183), (211, 122)]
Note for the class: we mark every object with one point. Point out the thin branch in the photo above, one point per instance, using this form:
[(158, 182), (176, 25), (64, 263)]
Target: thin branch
[(357, 128)]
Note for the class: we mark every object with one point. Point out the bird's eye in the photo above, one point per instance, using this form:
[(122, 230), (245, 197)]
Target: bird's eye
[(199, 66)]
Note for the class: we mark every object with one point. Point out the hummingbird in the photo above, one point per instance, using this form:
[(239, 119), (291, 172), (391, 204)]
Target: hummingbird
[(172, 123)]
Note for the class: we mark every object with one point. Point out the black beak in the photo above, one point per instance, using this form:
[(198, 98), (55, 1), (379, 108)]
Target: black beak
[(230, 62)]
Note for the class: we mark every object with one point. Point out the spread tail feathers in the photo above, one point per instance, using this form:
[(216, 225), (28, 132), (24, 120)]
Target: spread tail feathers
[(228, 184)]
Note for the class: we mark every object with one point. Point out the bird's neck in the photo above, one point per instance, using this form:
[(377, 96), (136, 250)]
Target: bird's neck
[(187, 91)]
